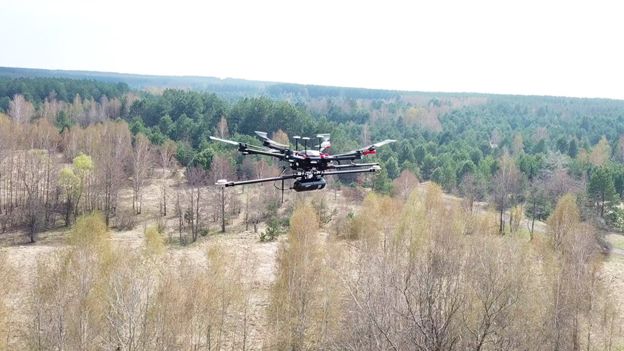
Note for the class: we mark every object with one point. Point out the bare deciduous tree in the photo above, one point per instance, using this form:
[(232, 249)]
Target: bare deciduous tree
[(506, 185), (141, 166), (404, 184), (221, 168), (166, 153), (20, 109), (196, 178)]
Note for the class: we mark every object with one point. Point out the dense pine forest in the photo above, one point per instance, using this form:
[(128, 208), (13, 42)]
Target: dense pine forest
[(484, 230)]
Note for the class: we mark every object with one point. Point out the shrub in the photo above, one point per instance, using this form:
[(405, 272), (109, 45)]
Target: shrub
[(272, 230), (125, 220)]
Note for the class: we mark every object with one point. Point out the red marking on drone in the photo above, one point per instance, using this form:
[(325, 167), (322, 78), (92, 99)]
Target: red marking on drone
[(369, 152)]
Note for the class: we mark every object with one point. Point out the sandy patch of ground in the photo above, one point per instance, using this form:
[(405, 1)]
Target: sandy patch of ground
[(616, 240)]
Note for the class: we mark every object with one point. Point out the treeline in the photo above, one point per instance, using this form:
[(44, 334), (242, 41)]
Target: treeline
[(37, 90), (470, 144), (229, 88)]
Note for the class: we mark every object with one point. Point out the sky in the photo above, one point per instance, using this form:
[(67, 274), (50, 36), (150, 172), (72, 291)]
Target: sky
[(562, 48)]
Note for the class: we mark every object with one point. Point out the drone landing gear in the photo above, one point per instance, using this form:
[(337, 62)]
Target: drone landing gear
[(281, 188)]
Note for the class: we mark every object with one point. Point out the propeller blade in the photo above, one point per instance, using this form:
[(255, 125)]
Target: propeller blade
[(325, 137), (225, 140), (262, 135), (269, 141), (370, 149), (382, 143)]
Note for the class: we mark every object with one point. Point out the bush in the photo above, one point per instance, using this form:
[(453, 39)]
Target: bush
[(161, 224), (322, 210), (353, 194), (154, 242), (125, 220), (272, 231)]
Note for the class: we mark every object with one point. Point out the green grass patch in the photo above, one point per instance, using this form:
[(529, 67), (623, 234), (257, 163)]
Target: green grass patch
[(616, 240)]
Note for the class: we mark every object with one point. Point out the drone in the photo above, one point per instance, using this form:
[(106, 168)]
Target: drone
[(308, 166)]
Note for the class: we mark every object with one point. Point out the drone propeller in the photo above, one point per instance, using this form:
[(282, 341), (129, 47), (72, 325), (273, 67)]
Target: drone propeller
[(246, 149), (325, 137), (372, 149), (324, 142), (367, 150), (269, 142), (382, 143), (225, 141)]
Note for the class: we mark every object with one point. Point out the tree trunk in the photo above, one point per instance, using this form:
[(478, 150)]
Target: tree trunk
[(222, 209), (68, 212), (533, 218), (47, 191), (180, 217), (164, 189), (247, 212)]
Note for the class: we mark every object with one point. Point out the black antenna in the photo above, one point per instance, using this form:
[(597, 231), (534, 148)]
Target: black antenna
[(296, 137), (283, 170)]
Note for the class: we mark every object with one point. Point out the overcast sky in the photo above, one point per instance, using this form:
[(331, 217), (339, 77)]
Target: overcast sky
[(569, 48)]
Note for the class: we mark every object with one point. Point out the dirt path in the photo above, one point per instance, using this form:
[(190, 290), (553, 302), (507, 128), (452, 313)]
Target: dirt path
[(617, 243), (617, 251)]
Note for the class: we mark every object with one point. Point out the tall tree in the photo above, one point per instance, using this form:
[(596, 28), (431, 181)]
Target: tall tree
[(600, 153), (141, 166), (20, 109), (563, 219), (296, 302), (82, 168), (196, 178), (34, 181), (222, 128), (601, 190), (505, 187), (221, 168), (166, 153), (111, 157)]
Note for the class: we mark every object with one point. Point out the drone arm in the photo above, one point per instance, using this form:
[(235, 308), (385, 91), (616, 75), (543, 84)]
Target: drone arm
[(371, 169), (367, 150), (353, 165), (249, 149), (346, 157), (260, 152), (261, 180)]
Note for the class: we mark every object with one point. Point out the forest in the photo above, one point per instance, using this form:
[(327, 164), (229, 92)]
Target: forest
[(485, 229)]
